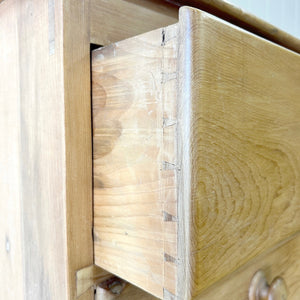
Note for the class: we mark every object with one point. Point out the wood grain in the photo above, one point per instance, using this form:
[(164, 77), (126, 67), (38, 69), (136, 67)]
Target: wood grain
[(46, 174), (243, 19), (134, 177), (284, 262), (78, 139), (115, 20), (45, 178), (11, 259), (45, 159), (239, 143), (32, 174), (139, 16), (237, 165)]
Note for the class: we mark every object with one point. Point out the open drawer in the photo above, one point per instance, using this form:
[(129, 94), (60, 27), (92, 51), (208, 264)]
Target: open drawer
[(196, 153)]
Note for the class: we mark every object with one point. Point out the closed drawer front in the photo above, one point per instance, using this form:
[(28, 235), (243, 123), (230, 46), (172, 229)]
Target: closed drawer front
[(196, 154), (282, 262)]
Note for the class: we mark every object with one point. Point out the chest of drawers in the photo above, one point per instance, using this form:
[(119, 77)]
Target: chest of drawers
[(168, 157)]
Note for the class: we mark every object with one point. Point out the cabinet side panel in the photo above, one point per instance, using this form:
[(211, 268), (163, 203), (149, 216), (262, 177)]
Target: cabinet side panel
[(11, 259), (42, 149), (32, 131)]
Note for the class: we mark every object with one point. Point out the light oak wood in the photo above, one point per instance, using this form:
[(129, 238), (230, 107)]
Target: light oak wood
[(134, 92), (115, 20), (46, 169), (11, 259), (243, 19), (77, 139), (32, 131), (45, 178), (283, 262), (45, 159), (239, 143), (139, 16)]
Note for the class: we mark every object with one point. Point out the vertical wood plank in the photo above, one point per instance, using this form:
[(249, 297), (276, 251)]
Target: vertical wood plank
[(78, 139), (45, 180), (33, 138), (41, 151), (10, 199)]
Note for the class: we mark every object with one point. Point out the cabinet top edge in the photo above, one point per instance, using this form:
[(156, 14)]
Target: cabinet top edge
[(243, 19)]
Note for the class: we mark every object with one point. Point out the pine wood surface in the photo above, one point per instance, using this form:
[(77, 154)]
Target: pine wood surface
[(283, 261), (134, 96), (243, 19), (11, 259), (237, 165), (139, 16), (46, 163), (115, 20), (45, 121), (33, 210), (78, 140), (239, 143)]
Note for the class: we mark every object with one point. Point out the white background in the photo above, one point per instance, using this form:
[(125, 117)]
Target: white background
[(284, 14)]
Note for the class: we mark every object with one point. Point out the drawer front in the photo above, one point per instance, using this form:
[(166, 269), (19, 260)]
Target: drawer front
[(283, 262), (239, 179)]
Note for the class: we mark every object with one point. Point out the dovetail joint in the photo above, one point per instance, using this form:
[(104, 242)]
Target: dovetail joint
[(169, 218), (170, 258), (165, 77), (168, 166)]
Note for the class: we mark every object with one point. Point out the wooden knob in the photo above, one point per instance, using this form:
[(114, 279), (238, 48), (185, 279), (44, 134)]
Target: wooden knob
[(261, 290)]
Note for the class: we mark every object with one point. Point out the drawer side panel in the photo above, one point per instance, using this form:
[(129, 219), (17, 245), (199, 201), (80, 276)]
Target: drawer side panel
[(134, 123)]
